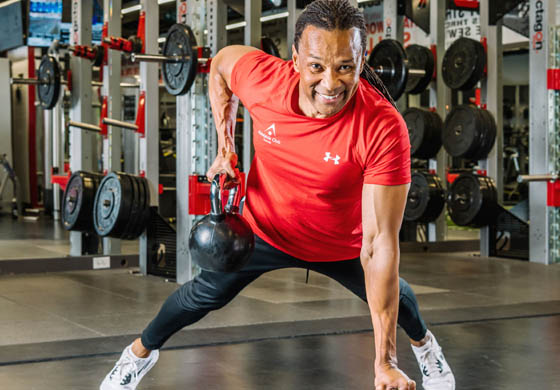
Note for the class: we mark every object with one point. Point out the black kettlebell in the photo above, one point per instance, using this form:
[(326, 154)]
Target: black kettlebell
[(222, 241)]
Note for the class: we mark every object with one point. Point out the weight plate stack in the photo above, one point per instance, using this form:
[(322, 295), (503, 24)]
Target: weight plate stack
[(419, 57), (424, 129), (388, 60), (78, 201), (49, 77), (179, 76), (463, 64), (426, 198), (488, 135), (140, 212), (269, 47), (472, 200)]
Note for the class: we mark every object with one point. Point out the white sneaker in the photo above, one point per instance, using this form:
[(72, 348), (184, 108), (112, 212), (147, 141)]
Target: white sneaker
[(436, 374), (128, 371)]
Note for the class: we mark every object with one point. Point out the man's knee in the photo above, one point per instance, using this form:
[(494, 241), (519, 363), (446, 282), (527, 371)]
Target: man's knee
[(204, 295)]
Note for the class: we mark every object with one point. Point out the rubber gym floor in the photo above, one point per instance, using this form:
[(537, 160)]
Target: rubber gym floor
[(497, 320)]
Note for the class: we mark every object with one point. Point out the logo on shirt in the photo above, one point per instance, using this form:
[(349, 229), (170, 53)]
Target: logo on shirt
[(328, 157), (269, 135)]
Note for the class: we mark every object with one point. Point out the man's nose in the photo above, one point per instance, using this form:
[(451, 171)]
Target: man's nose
[(330, 80)]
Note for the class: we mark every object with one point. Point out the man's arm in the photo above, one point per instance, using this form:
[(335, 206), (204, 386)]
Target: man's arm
[(224, 108), (382, 212)]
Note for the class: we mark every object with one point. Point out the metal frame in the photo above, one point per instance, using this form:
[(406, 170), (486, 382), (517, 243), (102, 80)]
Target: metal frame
[(543, 132), (492, 96), (440, 98), (253, 33), (81, 142), (149, 143), (111, 88)]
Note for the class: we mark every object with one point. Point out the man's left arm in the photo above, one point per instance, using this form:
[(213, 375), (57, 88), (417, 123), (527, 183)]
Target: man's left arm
[(382, 212)]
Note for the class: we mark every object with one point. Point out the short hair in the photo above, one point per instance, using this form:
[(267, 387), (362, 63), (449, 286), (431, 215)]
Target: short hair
[(339, 15)]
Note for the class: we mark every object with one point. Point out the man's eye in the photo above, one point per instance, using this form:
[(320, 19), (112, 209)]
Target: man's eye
[(346, 67), (315, 66)]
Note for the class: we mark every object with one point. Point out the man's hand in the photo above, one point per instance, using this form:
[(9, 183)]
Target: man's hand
[(225, 162), (389, 377)]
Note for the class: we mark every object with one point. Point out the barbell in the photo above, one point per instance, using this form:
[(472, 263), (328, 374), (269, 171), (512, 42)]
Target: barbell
[(401, 70)]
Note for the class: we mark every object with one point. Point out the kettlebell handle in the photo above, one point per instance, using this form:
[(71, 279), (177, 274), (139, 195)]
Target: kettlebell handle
[(217, 213)]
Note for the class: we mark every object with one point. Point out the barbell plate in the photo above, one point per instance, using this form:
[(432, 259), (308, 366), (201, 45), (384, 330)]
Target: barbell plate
[(424, 129), (490, 133), (389, 54), (78, 199), (48, 89), (472, 200), (461, 131), (269, 47), (426, 198), (135, 209), (463, 64), (421, 58), (112, 205), (179, 76)]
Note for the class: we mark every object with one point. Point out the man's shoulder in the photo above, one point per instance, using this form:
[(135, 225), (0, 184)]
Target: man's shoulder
[(374, 108)]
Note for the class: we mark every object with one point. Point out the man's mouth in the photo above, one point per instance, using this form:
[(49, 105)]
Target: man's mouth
[(329, 99)]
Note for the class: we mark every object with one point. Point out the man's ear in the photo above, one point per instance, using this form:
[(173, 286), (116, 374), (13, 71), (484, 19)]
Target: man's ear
[(295, 58)]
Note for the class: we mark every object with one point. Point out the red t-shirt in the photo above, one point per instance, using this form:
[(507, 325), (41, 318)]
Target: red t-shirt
[(304, 190)]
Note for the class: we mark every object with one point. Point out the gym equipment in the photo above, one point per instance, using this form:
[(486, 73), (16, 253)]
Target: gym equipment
[(179, 59), (78, 199), (222, 241), (472, 200), (464, 64), (424, 129), (401, 70), (121, 206), (469, 132), (269, 47), (17, 207), (426, 198), (48, 80)]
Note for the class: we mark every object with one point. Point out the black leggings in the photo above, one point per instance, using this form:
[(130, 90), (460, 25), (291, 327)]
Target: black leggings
[(210, 291)]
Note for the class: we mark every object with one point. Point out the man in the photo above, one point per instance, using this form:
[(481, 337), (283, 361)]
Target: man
[(326, 191)]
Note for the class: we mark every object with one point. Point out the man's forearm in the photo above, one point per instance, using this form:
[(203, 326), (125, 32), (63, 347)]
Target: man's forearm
[(382, 286), (224, 108)]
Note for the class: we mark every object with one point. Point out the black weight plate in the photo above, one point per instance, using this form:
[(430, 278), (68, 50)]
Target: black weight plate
[(463, 64), (460, 134), (426, 198), (49, 78), (143, 208), (78, 199), (489, 135), (112, 205), (388, 60), (179, 76), (269, 47), (465, 200), (419, 58), (472, 200), (135, 210), (424, 129), (143, 224)]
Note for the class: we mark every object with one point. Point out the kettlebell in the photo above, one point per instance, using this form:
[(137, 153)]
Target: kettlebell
[(222, 241)]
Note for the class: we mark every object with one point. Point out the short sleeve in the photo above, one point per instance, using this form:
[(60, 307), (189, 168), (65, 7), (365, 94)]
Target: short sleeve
[(258, 76), (388, 152)]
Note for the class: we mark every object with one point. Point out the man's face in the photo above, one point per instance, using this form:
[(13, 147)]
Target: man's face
[(329, 63)]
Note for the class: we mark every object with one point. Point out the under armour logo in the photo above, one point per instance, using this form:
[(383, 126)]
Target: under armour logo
[(335, 159)]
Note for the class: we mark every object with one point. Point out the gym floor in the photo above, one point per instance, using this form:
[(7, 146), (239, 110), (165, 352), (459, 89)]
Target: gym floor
[(496, 319)]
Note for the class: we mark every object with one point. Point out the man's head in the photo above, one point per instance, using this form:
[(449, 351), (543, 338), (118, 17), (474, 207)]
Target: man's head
[(329, 53)]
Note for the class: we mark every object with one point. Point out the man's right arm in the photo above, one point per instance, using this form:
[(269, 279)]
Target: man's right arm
[(224, 108)]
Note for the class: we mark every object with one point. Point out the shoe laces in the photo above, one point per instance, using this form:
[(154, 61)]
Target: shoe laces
[(126, 370), (431, 364)]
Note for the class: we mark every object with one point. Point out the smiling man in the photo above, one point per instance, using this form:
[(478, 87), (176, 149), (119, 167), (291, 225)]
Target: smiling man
[(326, 191)]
